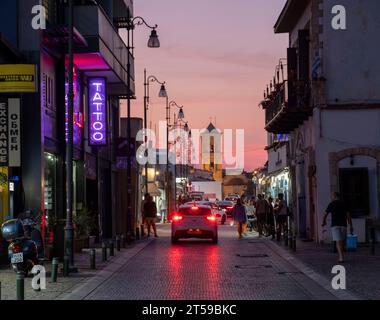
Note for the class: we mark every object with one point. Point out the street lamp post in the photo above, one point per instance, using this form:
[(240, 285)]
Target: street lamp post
[(152, 43), (181, 116), (69, 230), (162, 94)]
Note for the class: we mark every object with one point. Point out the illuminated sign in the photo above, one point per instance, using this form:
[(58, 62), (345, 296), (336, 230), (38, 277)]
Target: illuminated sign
[(97, 111), (78, 121), (17, 78), (10, 133)]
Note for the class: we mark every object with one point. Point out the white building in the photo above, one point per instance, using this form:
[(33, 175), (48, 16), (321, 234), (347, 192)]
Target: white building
[(329, 104)]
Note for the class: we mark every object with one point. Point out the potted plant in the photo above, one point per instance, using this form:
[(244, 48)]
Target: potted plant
[(3, 181), (83, 222)]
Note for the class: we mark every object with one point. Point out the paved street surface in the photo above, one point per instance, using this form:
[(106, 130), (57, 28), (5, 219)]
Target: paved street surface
[(247, 269), (53, 290), (362, 268), (234, 269)]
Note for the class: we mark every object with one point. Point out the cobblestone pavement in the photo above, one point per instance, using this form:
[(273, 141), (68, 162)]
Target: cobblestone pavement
[(246, 269), (362, 268), (62, 286)]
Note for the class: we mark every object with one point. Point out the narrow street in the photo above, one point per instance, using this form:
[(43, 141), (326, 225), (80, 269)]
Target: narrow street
[(117, 115), (247, 269)]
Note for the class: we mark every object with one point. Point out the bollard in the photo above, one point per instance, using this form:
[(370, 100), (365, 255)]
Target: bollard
[(294, 243), (373, 240), (142, 232), (66, 266), (93, 259), (290, 239), (0, 290), (20, 285), (122, 238), (137, 233), (54, 269), (118, 244), (289, 233), (278, 235), (104, 251), (286, 239), (112, 248)]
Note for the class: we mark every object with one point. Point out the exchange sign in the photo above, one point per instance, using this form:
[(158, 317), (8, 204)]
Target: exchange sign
[(10, 135)]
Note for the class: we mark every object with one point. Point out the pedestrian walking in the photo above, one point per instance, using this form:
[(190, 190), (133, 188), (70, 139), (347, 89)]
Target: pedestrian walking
[(281, 213), (271, 218), (339, 219), (150, 214), (239, 214), (142, 211), (251, 215), (262, 210)]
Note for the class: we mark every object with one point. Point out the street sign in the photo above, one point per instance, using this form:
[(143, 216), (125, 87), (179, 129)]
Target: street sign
[(17, 78)]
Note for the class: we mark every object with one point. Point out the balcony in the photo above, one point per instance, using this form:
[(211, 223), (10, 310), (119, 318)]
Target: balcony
[(106, 54), (287, 106)]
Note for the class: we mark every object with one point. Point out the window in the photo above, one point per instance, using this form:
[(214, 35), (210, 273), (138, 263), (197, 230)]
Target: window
[(48, 91), (195, 211), (354, 190)]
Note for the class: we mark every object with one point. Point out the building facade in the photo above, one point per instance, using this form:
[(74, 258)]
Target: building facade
[(328, 103), (100, 80)]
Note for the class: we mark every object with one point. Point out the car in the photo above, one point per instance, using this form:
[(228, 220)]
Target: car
[(194, 221), (232, 197), (226, 206), (221, 215)]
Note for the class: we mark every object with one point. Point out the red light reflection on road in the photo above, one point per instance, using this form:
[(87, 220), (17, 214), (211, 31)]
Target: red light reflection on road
[(205, 282), (175, 262), (213, 271)]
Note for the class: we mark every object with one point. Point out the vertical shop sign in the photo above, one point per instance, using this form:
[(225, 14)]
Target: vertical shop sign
[(97, 112), (4, 133), (14, 133), (10, 135)]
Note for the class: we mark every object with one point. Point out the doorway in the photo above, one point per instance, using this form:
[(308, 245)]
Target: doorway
[(92, 205), (354, 190)]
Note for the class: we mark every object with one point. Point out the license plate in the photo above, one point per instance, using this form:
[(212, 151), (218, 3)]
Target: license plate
[(17, 257), (194, 232)]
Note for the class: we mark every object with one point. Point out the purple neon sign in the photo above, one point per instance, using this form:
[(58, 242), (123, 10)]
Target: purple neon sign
[(97, 111)]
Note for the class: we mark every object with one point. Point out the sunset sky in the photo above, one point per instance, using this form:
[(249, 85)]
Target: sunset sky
[(216, 57)]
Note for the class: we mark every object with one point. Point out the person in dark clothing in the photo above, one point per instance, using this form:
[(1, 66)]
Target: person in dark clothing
[(239, 214), (150, 214), (262, 211), (339, 218), (270, 220)]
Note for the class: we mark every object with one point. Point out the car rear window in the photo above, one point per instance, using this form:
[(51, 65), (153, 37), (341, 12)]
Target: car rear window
[(226, 203), (195, 212)]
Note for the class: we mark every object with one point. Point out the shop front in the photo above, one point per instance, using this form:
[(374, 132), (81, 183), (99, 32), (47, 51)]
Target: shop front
[(279, 183), (278, 168)]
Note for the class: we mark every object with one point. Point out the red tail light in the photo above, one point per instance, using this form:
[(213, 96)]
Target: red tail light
[(211, 218), (16, 248), (230, 208), (177, 218)]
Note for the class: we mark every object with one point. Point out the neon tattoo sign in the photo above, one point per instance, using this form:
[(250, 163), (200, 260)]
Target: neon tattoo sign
[(97, 112)]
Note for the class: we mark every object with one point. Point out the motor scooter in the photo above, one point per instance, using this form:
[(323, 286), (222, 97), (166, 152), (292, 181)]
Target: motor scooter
[(25, 243)]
